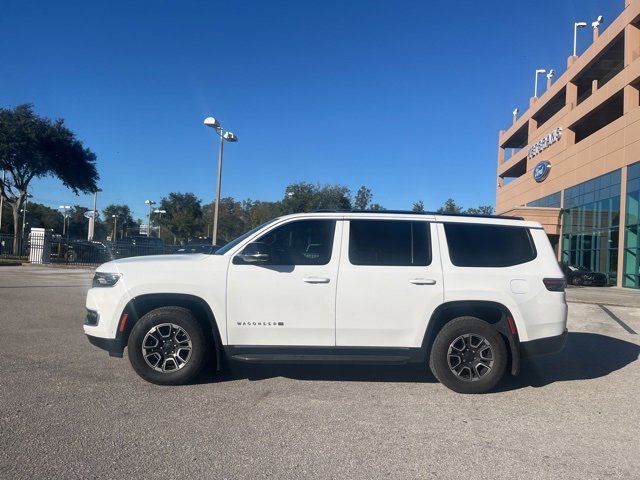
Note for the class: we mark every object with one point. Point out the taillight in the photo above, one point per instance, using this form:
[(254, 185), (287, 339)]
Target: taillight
[(554, 284)]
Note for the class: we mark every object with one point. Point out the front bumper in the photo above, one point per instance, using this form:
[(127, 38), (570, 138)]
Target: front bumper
[(113, 346), (543, 346)]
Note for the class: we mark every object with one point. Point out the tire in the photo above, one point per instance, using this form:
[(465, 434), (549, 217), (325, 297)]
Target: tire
[(70, 256), (181, 348), (477, 371), (577, 281)]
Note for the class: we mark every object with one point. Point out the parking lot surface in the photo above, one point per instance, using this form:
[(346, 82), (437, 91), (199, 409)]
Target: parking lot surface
[(70, 411)]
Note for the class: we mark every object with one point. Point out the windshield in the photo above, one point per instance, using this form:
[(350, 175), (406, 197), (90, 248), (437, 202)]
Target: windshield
[(233, 243)]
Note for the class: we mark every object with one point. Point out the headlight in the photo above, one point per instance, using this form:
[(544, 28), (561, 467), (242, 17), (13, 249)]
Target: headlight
[(102, 279)]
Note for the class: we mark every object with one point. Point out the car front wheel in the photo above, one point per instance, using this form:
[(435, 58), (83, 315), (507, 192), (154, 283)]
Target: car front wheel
[(167, 346), (468, 356)]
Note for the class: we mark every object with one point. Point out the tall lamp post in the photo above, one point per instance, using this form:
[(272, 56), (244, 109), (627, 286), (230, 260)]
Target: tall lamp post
[(4, 176), (92, 219), (150, 203), (535, 88), (24, 212), (224, 136), (65, 209), (115, 227), (157, 211), (576, 26)]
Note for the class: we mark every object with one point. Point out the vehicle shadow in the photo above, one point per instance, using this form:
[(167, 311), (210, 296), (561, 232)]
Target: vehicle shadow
[(585, 356)]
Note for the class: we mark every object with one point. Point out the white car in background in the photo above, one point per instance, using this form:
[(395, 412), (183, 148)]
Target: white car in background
[(466, 296)]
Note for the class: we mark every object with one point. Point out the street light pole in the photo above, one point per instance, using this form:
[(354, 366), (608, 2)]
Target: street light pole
[(224, 136), (92, 219), (159, 212), (150, 203), (24, 212), (4, 175), (115, 228), (576, 26), (65, 209), (535, 88), (218, 187)]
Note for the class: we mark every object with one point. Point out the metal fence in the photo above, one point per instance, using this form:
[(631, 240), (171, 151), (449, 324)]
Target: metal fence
[(71, 251)]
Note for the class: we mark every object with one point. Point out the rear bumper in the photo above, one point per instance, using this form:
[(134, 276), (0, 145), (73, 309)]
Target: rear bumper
[(112, 345), (543, 346)]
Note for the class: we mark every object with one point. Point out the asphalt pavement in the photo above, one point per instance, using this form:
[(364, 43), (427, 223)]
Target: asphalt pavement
[(67, 410)]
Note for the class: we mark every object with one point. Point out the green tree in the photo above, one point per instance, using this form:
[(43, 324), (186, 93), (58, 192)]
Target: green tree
[(258, 212), (376, 207), (184, 215), (232, 220), (450, 206), (300, 197), (363, 198), (124, 224), (481, 210), (418, 206), (307, 197), (35, 147), (7, 219), (334, 197), (77, 223), (41, 216)]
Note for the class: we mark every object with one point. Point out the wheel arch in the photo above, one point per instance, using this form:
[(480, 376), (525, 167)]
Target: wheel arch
[(493, 313), (138, 306)]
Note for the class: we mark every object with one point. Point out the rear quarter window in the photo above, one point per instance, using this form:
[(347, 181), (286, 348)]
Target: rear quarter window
[(485, 245)]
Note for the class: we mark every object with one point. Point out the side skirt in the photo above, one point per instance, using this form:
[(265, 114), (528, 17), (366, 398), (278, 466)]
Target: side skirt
[(323, 355)]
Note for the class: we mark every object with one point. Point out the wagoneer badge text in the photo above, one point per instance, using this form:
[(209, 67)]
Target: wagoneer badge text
[(260, 324)]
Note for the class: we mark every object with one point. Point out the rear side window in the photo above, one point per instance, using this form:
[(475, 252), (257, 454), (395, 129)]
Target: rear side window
[(483, 245), (389, 242)]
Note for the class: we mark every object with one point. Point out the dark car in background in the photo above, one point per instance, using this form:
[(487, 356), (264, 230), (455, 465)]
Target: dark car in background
[(199, 245), (580, 275), (78, 251), (136, 245)]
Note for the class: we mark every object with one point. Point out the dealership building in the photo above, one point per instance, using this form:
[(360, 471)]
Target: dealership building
[(572, 160)]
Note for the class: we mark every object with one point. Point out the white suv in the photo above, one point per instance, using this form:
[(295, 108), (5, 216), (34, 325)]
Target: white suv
[(468, 295)]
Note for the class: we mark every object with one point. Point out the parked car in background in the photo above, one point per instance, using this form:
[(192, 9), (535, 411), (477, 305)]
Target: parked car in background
[(137, 245), (580, 275), (199, 245), (79, 251)]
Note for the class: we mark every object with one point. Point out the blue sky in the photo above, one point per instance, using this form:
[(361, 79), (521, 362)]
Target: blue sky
[(406, 97)]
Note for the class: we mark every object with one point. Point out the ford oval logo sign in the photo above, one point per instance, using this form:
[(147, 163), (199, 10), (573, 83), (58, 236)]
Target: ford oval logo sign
[(541, 171)]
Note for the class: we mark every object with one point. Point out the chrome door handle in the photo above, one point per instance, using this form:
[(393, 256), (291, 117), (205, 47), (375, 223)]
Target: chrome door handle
[(423, 281), (315, 280)]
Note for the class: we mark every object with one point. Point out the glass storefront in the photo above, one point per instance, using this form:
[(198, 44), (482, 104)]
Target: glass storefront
[(590, 225), (552, 200), (632, 229)]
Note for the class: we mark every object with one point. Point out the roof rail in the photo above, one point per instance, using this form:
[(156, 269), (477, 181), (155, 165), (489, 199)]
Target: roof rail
[(411, 212)]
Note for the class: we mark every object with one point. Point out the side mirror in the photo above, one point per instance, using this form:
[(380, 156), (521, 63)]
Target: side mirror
[(256, 252)]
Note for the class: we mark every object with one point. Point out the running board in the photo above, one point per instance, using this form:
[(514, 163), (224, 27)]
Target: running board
[(345, 355)]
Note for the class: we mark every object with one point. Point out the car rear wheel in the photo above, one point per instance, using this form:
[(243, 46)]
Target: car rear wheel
[(167, 346), (468, 356), (577, 281)]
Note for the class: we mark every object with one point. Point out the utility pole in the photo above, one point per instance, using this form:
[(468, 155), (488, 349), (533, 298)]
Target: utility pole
[(150, 203), (228, 137), (115, 229), (92, 219), (24, 212), (4, 175)]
